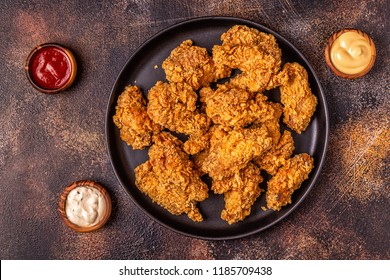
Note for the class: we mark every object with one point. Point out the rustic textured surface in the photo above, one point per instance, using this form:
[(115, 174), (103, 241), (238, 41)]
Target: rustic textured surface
[(47, 142)]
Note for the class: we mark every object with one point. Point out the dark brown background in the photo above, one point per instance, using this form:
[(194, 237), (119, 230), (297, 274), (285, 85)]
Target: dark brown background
[(47, 142)]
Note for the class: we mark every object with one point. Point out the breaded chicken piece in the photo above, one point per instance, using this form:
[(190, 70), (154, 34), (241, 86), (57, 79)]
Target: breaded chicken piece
[(173, 106), (199, 145), (199, 160), (271, 121), (256, 65), (244, 35), (233, 107), (136, 128), (255, 53), (228, 183), (190, 64), (296, 96), (288, 179), (232, 152), (271, 160), (169, 178), (255, 81), (241, 35), (243, 191), (198, 142)]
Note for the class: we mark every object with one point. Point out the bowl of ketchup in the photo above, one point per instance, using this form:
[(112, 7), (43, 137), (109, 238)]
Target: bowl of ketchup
[(51, 68)]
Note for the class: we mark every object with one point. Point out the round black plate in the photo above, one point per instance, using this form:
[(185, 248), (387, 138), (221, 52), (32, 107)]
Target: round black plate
[(140, 70)]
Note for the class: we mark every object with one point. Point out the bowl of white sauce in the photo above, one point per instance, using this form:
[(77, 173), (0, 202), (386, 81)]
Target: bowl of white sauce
[(85, 206)]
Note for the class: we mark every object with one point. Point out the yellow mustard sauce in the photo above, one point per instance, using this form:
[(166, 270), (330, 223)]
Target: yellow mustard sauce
[(351, 53)]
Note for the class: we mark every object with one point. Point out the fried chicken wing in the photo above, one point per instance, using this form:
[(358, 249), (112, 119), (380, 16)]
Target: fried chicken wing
[(169, 178), (235, 107), (199, 145), (277, 156), (173, 106), (288, 179), (271, 120), (244, 35), (282, 146), (190, 64), (136, 128), (234, 151), (243, 191), (255, 53), (296, 96), (230, 106), (198, 142), (255, 81)]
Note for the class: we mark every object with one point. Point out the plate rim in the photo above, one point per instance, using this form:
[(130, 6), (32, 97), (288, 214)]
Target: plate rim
[(221, 18)]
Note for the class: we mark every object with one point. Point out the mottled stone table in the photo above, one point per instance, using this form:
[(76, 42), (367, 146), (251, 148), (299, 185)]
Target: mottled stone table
[(47, 142)]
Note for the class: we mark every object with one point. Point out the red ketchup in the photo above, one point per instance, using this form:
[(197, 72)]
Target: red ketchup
[(50, 67)]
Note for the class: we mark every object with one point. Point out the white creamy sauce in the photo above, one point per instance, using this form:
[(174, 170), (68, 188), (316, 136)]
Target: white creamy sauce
[(85, 206)]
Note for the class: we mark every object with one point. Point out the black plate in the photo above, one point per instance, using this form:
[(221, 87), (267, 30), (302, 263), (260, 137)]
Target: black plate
[(140, 70)]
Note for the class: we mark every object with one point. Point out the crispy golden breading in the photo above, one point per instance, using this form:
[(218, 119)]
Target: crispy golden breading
[(189, 64), (233, 181), (198, 142), (272, 123), (234, 107), (256, 65), (173, 106), (169, 178), (136, 128), (296, 96), (243, 191), (199, 160), (270, 118), (254, 81), (199, 145), (255, 53), (244, 35), (232, 152), (240, 36), (288, 179), (271, 160)]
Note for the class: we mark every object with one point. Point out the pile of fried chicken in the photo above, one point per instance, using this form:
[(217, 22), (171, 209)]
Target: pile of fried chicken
[(232, 136)]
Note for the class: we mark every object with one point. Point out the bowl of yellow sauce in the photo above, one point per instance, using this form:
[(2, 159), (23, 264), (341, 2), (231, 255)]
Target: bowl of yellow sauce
[(350, 53)]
